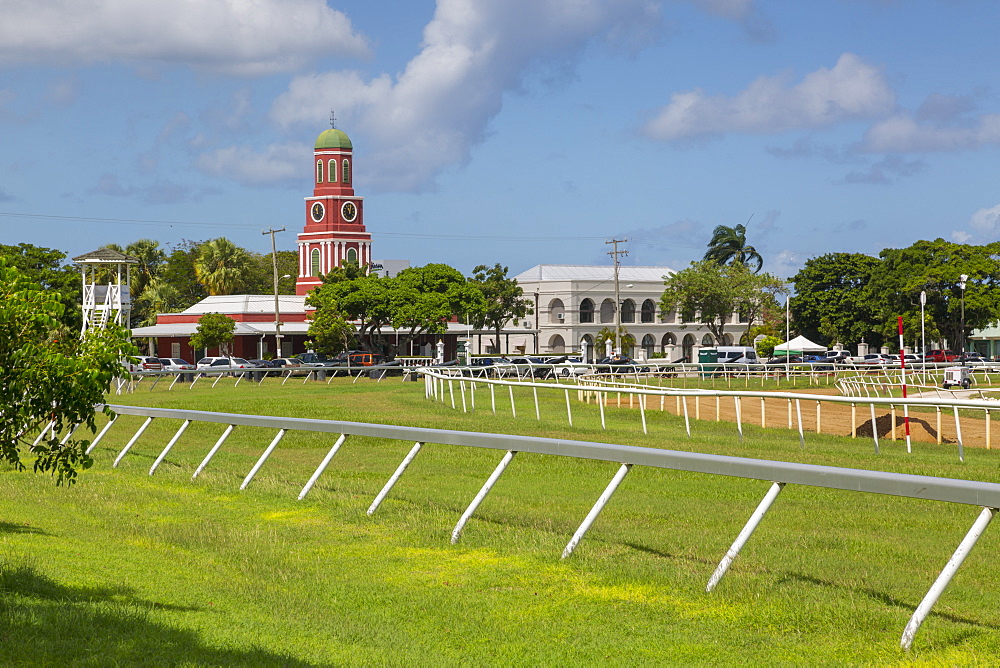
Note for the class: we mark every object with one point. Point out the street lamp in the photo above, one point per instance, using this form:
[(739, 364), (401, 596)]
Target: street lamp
[(962, 279)]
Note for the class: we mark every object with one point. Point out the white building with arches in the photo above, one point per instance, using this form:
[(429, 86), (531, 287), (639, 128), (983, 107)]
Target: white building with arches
[(572, 303)]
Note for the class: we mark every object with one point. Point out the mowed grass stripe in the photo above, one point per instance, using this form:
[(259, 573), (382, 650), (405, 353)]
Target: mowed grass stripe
[(170, 570)]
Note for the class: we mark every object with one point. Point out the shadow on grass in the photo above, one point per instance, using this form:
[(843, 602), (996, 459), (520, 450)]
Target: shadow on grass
[(8, 527), (44, 622), (885, 599)]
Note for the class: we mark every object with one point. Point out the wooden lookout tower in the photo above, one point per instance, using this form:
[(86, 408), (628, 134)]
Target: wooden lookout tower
[(106, 296)]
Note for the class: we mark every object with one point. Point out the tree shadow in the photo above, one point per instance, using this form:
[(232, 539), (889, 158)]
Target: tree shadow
[(9, 527), (44, 622)]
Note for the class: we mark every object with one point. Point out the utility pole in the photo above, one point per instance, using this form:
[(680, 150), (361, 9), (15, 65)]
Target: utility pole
[(277, 317), (618, 302)]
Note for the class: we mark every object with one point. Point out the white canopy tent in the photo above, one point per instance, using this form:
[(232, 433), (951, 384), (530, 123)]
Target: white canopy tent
[(798, 346)]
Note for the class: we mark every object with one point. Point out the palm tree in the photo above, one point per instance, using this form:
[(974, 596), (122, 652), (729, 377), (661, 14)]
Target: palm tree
[(156, 298), (729, 245), (223, 267)]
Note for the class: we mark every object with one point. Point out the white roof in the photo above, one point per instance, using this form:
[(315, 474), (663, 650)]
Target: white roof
[(242, 329), (800, 344), (248, 304), (591, 272)]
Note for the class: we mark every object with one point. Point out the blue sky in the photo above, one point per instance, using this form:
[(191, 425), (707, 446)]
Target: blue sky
[(510, 131)]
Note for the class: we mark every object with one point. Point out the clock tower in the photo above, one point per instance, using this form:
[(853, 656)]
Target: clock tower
[(335, 231)]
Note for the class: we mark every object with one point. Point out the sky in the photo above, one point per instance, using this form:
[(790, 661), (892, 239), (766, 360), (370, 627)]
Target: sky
[(512, 131)]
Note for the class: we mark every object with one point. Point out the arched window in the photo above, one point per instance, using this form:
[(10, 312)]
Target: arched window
[(608, 310), (314, 261), (557, 312), (649, 345), (669, 315), (352, 254), (587, 311), (707, 341), (667, 343), (628, 311), (331, 171), (728, 339), (648, 311), (319, 171), (687, 347), (347, 171), (557, 344)]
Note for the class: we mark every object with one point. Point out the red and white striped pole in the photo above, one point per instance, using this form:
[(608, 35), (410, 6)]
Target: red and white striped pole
[(902, 366)]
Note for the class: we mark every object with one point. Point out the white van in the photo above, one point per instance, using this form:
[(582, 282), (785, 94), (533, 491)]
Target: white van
[(737, 354)]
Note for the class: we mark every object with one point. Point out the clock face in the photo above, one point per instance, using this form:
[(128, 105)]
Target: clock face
[(317, 211), (349, 211)]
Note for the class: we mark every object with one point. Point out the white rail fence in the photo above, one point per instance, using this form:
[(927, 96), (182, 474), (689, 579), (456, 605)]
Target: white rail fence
[(452, 385), (780, 474)]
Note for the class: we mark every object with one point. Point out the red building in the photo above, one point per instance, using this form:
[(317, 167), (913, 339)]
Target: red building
[(334, 233), (335, 229)]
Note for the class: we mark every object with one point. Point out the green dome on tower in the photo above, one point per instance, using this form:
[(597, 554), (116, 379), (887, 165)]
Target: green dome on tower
[(334, 139)]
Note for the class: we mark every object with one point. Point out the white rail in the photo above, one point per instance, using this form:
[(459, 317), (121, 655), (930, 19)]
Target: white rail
[(976, 493)]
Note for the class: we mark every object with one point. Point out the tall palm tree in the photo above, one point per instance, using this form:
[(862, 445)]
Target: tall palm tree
[(729, 245), (223, 267)]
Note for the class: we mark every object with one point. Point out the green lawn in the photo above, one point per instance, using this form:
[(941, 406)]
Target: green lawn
[(125, 568)]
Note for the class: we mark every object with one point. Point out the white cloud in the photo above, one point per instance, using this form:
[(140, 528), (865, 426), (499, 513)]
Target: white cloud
[(984, 225), (903, 134), (852, 89), (986, 221), (440, 106), (250, 37), (277, 164)]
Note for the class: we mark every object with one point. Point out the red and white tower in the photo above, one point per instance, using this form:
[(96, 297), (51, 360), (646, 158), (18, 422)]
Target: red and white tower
[(335, 230)]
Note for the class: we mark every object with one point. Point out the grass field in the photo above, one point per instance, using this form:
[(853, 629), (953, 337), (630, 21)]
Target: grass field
[(125, 568)]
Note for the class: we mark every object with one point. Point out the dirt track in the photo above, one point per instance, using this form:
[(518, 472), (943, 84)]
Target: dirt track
[(925, 426)]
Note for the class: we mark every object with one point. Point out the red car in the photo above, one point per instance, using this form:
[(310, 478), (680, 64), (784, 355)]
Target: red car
[(942, 356)]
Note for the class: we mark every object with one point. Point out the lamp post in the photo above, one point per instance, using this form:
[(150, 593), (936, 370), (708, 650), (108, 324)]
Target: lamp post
[(962, 279), (923, 339)]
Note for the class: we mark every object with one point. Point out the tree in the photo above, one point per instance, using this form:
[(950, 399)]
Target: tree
[(713, 293), (765, 347), (330, 332), (179, 273), (502, 299), (364, 300), (608, 334), (729, 245), (935, 267), (425, 299), (46, 267), (45, 376), (151, 260), (833, 302), (223, 267), (214, 331), (260, 279)]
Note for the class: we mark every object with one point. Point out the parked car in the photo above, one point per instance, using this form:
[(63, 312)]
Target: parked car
[(315, 359), (942, 356), (620, 364), (365, 359), (837, 355), (286, 363), (879, 359), (176, 364), (568, 366), (144, 363), (223, 362)]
